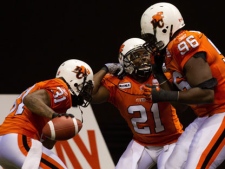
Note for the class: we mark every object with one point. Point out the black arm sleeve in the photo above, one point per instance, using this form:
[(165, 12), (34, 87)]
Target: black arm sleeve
[(208, 84)]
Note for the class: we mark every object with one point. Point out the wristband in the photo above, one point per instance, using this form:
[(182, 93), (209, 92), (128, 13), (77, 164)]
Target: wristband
[(105, 68), (164, 96), (163, 82), (160, 77)]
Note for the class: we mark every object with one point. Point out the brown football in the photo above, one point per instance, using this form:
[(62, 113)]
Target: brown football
[(62, 128)]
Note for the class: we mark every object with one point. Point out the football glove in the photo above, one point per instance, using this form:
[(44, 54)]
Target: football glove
[(114, 68), (157, 68), (61, 114)]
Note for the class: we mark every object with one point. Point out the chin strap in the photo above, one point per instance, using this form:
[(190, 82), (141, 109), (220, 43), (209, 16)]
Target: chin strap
[(143, 73), (77, 100), (81, 114)]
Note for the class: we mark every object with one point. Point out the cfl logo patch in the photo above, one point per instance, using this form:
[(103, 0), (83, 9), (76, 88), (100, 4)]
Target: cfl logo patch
[(125, 85), (140, 100)]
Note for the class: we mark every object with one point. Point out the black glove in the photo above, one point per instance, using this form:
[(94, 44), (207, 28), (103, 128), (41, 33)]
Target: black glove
[(157, 64), (114, 68), (157, 68), (63, 114), (157, 94)]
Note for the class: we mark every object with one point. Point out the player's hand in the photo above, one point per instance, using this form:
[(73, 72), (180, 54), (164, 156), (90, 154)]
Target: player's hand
[(63, 114), (157, 63), (49, 144), (114, 68), (156, 94), (149, 90)]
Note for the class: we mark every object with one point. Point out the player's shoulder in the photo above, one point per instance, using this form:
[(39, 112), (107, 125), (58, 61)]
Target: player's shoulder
[(186, 43), (52, 85), (110, 78), (193, 32), (187, 35), (52, 82)]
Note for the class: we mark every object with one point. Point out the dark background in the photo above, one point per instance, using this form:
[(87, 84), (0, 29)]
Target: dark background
[(37, 36)]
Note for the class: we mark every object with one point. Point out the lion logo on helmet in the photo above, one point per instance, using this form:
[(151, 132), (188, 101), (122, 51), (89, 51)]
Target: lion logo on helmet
[(157, 20), (81, 72)]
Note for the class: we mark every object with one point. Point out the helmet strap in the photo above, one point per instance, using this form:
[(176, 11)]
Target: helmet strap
[(171, 32), (77, 100), (68, 86)]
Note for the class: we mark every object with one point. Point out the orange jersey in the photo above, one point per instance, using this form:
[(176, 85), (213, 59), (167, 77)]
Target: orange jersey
[(180, 50), (22, 121), (153, 124)]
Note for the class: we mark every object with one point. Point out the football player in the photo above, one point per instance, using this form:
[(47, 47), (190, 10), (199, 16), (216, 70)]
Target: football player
[(155, 126), (21, 144), (198, 70)]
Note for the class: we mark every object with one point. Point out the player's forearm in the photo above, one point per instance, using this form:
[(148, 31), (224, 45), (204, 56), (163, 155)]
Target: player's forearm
[(164, 83), (97, 80), (196, 96), (49, 144), (37, 106)]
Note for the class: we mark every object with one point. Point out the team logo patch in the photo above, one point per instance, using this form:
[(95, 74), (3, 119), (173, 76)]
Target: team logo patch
[(125, 85), (139, 100)]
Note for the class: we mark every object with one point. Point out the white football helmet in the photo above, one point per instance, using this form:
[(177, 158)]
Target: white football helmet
[(79, 78), (159, 22), (129, 53)]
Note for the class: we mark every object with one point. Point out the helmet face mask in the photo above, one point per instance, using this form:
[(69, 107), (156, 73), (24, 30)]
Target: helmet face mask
[(159, 22), (78, 76), (85, 91), (135, 59)]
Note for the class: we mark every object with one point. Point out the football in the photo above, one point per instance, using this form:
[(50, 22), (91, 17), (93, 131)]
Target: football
[(62, 128)]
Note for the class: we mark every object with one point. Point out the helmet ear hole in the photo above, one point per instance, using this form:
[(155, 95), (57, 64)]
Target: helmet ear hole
[(164, 30)]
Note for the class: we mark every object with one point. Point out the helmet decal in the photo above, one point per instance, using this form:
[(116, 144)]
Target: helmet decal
[(157, 20), (81, 72), (121, 48)]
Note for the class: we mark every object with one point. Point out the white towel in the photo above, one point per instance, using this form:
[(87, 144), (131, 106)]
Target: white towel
[(33, 158)]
